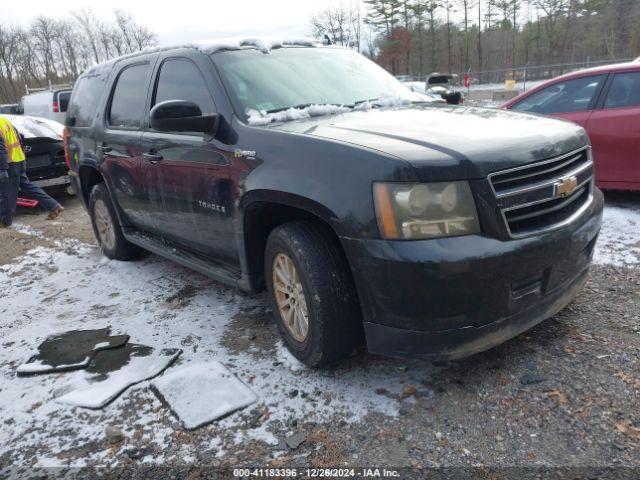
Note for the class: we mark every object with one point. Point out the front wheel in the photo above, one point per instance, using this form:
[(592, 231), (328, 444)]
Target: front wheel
[(312, 293), (106, 227)]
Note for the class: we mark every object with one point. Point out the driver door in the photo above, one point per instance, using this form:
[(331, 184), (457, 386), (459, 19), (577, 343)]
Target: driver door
[(189, 172)]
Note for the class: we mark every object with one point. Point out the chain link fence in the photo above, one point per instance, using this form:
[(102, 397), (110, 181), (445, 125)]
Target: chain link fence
[(532, 73)]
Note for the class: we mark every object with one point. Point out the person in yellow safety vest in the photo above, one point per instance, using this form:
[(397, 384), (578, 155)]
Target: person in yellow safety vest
[(12, 165)]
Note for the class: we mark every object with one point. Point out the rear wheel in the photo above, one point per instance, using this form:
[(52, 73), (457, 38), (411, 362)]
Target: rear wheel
[(312, 294), (107, 229)]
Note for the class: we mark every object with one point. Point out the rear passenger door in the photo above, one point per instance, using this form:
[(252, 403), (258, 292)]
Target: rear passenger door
[(614, 129), (120, 145), (191, 187)]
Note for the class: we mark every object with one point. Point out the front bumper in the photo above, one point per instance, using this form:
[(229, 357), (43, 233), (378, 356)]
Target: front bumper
[(55, 182), (453, 297)]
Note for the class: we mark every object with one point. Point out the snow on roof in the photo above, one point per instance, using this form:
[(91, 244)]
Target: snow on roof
[(213, 45), (264, 44)]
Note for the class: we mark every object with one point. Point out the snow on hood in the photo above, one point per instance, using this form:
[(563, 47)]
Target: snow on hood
[(36, 127), (261, 117)]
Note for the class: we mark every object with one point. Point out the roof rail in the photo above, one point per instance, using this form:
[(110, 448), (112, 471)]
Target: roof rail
[(51, 87)]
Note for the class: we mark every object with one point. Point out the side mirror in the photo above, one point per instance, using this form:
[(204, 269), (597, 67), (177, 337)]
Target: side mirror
[(182, 116)]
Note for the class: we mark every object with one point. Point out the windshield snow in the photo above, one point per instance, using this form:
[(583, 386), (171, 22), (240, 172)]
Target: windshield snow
[(267, 88)]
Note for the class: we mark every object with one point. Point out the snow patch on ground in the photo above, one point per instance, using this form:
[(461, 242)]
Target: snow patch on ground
[(38, 366), (139, 369), (52, 290), (287, 360), (619, 240), (72, 286), (199, 393)]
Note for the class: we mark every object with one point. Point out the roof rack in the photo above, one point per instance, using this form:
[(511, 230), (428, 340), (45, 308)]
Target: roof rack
[(51, 87)]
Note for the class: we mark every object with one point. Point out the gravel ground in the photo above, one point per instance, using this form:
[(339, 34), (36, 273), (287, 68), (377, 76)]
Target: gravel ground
[(564, 394)]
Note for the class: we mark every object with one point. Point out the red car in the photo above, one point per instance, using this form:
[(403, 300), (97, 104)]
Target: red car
[(606, 102)]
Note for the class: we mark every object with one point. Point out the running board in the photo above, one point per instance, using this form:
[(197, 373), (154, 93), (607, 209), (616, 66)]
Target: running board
[(187, 259)]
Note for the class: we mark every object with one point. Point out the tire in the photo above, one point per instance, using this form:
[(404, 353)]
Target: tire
[(333, 317), (106, 227)]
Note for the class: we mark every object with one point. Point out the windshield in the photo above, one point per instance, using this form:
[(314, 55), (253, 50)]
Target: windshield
[(300, 77)]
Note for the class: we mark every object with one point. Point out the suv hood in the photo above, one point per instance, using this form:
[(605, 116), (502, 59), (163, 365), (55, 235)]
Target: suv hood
[(448, 142)]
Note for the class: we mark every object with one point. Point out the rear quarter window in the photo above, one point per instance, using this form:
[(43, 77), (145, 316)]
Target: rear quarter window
[(85, 98)]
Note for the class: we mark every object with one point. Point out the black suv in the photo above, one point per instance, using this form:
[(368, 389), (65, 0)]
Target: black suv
[(371, 216)]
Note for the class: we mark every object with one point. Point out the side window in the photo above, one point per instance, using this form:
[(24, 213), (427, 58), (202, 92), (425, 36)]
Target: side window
[(624, 91), (129, 97), (85, 97), (563, 97), (180, 79)]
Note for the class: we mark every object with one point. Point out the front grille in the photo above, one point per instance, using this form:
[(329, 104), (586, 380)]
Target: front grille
[(59, 159), (39, 161), (545, 195)]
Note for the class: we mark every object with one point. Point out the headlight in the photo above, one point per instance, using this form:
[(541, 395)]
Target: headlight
[(411, 211)]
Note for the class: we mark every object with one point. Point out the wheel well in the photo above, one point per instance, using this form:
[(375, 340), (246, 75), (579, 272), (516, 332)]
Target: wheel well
[(261, 218), (89, 177)]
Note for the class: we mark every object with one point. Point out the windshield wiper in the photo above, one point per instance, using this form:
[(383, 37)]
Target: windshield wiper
[(360, 102), (302, 106), (282, 109)]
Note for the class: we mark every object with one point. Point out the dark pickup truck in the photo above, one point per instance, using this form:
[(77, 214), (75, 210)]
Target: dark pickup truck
[(372, 217)]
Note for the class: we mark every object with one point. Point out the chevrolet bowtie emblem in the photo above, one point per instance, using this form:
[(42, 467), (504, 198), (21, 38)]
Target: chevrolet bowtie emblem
[(565, 186)]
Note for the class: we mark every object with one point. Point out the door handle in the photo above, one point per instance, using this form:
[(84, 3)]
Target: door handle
[(105, 148), (152, 157)]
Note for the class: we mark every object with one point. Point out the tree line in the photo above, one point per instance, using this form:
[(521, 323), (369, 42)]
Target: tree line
[(56, 51), (417, 37)]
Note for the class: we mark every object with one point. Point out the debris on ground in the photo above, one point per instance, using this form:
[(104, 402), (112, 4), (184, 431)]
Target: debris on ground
[(200, 393), (143, 364), (70, 350), (531, 378), (114, 435), (291, 442)]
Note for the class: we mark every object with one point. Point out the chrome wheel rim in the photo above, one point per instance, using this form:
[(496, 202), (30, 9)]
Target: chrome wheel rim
[(104, 224), (290, 298)]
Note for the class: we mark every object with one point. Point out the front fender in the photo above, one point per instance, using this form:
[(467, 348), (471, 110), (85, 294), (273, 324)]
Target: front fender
[(293, 200)]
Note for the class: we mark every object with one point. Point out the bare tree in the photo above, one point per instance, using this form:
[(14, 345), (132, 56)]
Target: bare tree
[(52, 50), (43, 32), (89, 25), (341, 25)]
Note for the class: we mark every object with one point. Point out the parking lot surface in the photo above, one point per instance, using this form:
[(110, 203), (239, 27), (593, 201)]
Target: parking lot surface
[(563, 394)]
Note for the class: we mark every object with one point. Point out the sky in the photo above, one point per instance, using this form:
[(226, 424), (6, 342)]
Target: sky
[(178, 22)]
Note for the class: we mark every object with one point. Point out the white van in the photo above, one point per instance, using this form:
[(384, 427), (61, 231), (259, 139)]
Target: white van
[(51, 104)]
